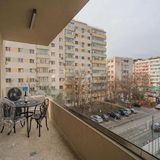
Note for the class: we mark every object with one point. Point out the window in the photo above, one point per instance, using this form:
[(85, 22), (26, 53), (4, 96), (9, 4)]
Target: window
[(20, 49), (89, 38), (83, 44), (53, 79), (89, 51), (82, 57), (76, 35), (82, 50), (52, 53), (60, 39), (20, 80), (8, 59), (88, 58), (20, 70), (8, 69), (83, 30), (31, 51), (31, 60), (76, 57), (8, 48), (20, 60), (52, 62), (8, 80), (76, 42), (60, 47), (76, 64), (61, 87), (52, 45), (76, 49), (32, 70), (89, 44)]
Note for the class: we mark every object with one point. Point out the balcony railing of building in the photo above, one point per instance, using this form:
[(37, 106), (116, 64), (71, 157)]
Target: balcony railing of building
[(91, 141)]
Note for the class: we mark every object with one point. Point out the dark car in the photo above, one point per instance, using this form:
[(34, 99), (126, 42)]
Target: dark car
[(105, 117), (156, 127), (136, 105), (124, 112), (115, 115)]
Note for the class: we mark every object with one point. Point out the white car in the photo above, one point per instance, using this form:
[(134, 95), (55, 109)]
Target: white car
[(96, 118), (128, 111)]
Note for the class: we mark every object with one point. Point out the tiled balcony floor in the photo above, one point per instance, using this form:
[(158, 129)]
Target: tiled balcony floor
[(50, 146)]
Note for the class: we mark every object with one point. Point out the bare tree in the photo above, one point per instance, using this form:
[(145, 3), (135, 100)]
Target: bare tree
[(78, 89)]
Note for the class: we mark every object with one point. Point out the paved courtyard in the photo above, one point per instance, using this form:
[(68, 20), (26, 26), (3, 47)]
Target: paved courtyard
[(50, 146)]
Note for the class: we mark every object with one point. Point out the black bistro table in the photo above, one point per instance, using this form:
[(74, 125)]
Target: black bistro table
[(26, 106)]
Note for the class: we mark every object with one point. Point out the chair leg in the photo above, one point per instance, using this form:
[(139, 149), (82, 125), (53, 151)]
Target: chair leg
[(22, 123), (39, 130), (30, 125), (46, 123), (2, 129), (37, 124), (10, 130), (14, 128)]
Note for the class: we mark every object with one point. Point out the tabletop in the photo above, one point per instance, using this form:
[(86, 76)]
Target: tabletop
[(30, 103)]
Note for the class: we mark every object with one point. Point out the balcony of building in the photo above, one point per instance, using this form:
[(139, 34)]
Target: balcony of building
[(70, 136)]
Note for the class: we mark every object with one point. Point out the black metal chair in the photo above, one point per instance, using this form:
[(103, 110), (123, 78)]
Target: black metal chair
[(39, 115), (8, 115)]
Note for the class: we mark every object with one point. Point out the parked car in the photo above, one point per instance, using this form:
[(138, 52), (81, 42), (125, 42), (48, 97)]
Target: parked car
[(105, 117), (128, 111), (123, 112), (136, 105), (96, 118), (115, 115), (157, 106), (133, 111), (156, 127)]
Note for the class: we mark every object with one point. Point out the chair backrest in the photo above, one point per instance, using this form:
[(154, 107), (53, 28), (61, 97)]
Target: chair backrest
[(44, 108), (7, 109)]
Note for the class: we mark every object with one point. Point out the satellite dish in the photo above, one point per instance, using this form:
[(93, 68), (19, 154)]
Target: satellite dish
[(14, 94)]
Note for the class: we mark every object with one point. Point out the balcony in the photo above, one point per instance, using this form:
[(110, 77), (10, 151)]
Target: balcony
[(71, 137)]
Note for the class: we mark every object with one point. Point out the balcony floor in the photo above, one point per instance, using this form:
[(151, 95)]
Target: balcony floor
[(50, 146)]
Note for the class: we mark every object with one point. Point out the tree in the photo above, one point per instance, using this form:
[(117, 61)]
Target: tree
[(78, 89)]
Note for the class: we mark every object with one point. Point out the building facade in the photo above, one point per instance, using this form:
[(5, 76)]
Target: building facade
[(78, 48), (150, 67)]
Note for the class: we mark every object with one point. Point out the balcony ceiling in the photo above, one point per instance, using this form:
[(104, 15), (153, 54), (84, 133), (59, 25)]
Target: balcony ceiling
[(52, 16)]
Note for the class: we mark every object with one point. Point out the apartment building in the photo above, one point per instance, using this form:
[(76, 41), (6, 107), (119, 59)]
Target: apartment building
[(77, 49), (119, 68), (20, 65), (42, 68), (150, 67), (98, 49)]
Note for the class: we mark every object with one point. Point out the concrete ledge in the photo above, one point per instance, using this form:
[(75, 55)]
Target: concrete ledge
[(87, 142)]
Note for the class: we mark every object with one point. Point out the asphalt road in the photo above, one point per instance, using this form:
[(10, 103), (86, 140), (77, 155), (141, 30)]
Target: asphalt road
[(136, 128)]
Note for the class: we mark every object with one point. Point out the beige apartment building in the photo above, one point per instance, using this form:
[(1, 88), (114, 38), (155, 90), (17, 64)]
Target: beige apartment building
[(119, 68), (150, 67), (78, 48)]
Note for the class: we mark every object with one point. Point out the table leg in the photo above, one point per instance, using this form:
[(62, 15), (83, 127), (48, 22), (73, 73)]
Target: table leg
[(27, 122)]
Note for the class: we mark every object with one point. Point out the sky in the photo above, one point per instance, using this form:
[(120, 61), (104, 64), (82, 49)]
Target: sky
[(132, 26)]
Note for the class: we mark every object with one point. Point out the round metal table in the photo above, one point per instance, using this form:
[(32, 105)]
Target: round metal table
[(26, 106)]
